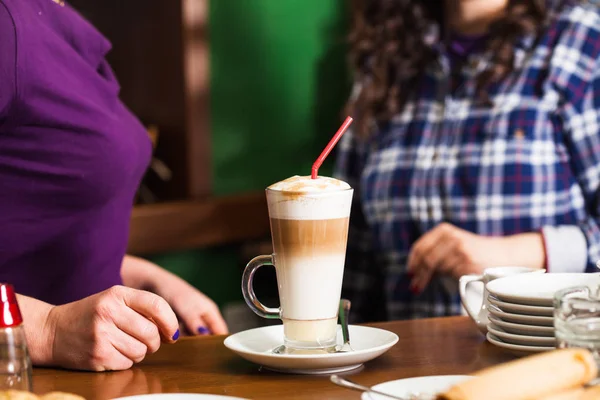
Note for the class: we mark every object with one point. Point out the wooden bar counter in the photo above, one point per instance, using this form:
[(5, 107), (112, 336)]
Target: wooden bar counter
[(439, 346)]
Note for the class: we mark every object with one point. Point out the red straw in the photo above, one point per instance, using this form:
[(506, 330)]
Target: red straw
[(329, 147)]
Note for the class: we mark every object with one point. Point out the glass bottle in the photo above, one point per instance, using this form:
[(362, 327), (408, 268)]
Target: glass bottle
[(15, 364)]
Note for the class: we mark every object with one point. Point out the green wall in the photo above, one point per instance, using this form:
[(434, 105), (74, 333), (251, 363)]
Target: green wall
[(278, 83)]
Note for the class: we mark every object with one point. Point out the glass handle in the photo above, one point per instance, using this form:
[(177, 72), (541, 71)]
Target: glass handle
[(248, 290)]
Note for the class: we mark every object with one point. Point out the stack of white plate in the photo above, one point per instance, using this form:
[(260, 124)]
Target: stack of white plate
[(521, 309)]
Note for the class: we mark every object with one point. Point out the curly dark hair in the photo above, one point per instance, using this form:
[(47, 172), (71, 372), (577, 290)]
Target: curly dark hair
[(389, 52)]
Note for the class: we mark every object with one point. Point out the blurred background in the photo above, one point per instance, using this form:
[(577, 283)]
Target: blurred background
[(236, 95)]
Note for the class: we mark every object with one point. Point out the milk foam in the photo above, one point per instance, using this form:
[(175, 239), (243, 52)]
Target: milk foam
[(305, 184), (301, 197)]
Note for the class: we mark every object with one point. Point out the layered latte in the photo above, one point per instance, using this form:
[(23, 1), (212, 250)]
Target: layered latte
[(309, 227)]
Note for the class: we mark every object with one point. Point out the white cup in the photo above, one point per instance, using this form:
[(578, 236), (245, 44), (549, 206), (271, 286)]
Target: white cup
[(475, 300)]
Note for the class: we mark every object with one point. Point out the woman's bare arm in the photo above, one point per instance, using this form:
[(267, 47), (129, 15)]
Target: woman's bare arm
[(39, 333)]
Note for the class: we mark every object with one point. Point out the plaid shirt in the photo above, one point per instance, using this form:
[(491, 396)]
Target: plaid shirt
[(531, 160)]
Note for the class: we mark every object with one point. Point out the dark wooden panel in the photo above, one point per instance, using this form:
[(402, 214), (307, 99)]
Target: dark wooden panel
[(160, 56), (192, 224), (197, 96)]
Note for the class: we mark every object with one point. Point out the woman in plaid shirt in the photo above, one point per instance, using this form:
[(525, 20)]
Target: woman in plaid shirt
[(477, 144)]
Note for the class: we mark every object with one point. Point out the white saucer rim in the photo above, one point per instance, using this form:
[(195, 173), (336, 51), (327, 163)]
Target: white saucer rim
[(536, 311), (526, 301), (313, 371), (498, 313), (499, 333), (536, 328), (512, 303), (381, 347), (529, 300), (519, 347)]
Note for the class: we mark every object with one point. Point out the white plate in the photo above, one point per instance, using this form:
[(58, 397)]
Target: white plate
[(515, 348), (256, 345), (521, 329), (521, 319), (538, 289), (521, 309), (525, 340), (426, 385), (179, 396)]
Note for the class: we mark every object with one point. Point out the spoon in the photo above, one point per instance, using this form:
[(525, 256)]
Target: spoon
[(355, 386), (344, 311)]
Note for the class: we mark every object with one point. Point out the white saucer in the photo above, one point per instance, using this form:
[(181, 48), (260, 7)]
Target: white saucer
[(521, 329), (521, 308), (516, 348), (538, 289), (525, 340), (426, 385), (519, 318), (256, 345), (179, 396)]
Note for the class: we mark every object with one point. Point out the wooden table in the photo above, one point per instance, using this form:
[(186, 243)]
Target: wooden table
[(439, 346)]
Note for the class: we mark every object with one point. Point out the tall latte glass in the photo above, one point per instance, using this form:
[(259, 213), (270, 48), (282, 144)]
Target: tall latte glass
[(309, 228)]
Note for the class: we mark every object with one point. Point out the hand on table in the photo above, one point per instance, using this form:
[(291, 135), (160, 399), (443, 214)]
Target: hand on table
[(453, 251), (111, 330)]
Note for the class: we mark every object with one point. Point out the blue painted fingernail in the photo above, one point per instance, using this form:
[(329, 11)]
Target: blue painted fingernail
[(176, 335), (203, 330)]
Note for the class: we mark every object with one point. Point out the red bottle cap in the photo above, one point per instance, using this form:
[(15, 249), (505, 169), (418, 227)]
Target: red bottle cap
[(10, 314)]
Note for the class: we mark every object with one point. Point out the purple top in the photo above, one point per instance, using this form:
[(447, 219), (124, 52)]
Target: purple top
[(71, 155)]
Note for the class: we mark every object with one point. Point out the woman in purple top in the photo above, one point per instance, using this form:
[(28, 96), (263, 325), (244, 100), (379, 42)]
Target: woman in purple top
[(71, 158)]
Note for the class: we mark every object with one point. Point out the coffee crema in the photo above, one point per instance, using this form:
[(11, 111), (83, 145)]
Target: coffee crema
[(309, 238)]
